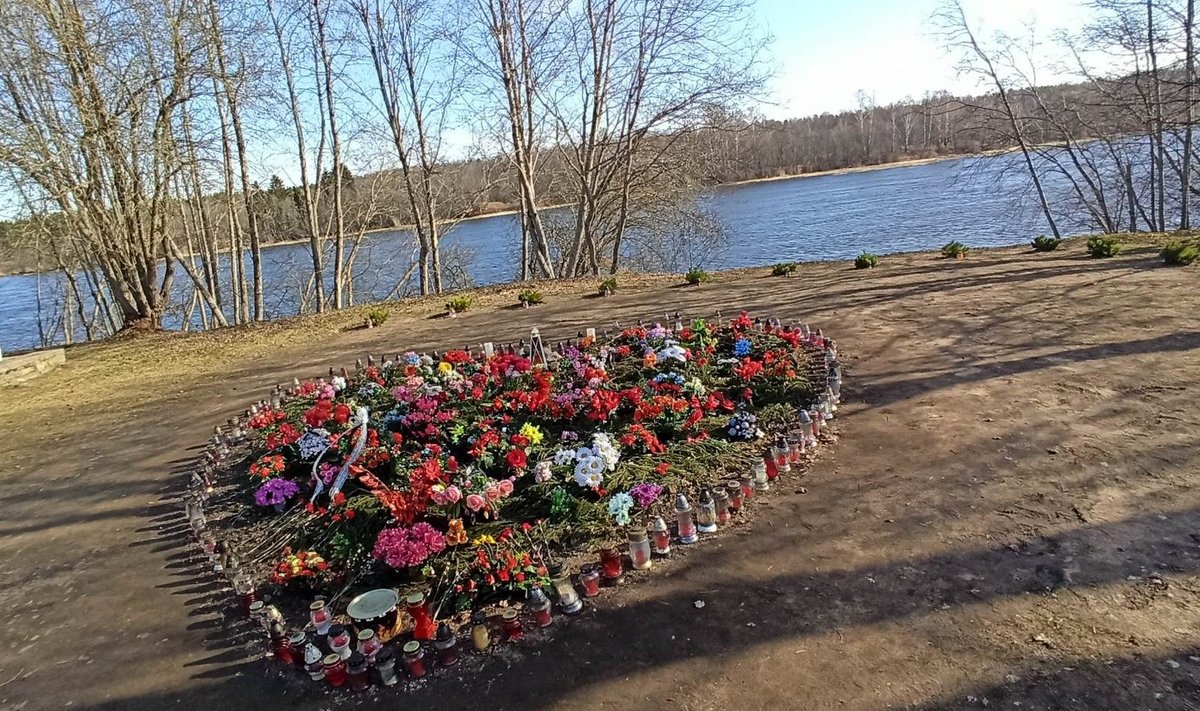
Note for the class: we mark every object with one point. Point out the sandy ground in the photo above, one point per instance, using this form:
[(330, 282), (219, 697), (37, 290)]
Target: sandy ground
[(1008, 521)]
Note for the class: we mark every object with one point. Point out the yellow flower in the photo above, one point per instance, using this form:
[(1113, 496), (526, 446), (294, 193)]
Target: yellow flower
[(532, 433), (445, 367), (483, 539)]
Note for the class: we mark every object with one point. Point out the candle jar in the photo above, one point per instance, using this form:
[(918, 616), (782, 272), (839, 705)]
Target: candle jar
[(480, 636), (683, 516), (258, 615), (706, 513), (734, 490), (385, 668), (769, 463), (335, 670), (320, 617), (281, 648), (834, 382), (299, 643), (610, 564), (369, 644), (747, 483), (446, 645), (511, 622), (424, 628), (244, 589), (761, 483), (359, 672), (314, 662), (539, 604), (782, 456), (661, 535), (814, 415), (564, 590), (796, 448), (639, 549), (339, 641), (414, 659), (721, 505), (590, 578)]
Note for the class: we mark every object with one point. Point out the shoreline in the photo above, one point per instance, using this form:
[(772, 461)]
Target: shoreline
[(908, 163)]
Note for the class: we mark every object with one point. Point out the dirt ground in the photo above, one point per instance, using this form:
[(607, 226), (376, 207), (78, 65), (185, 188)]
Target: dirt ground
[(1010, 518)]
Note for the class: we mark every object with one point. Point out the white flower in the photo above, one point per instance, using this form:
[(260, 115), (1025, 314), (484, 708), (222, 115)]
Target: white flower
[(564, 456), (541, 471), (588, 476), (584, 453), (673, 353), (338, 382)]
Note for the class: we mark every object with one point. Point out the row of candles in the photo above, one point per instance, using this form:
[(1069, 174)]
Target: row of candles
[(340, 656)]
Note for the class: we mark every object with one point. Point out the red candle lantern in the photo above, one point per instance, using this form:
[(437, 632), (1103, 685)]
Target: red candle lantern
[(298, 642), (610, 563), (359, 672), (335, 670), (339, 641), (721, 505), (590, 578), (447, 646), (512, 625), (414, 659), (661, 535), (539, 604), (369, 644), (747, 483), (424, 628), (320, 617), (639, 549), (281, 647), (734, 490), (769, 463), (244, 589)]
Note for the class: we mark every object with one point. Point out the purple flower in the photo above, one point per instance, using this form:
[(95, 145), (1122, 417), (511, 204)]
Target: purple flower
[(645, 494), (276, 491)]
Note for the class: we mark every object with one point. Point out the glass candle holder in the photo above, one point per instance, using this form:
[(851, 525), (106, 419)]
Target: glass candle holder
[(796, 448), (683, 520), (335, 670), (747, 483), (244, 589), (661, 535), (258, 614), (782, 456), (734, 490), (564, 590), (314, 662), (612, 569), (540, 606), (414, 659), (759, 476), (706, 513), (511, 622), (369, 644), (639, 548), (446, 645), (814, 415), (769, 463), (806, 429), (481, 636), (721, 505), (339, 641), (424, 628), (590, 579), (359, 672), (385, 668), (834, 382), (299, 642), (320, 617), (281, 649)]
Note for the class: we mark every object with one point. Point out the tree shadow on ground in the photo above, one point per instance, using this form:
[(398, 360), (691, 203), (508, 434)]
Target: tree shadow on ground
[(660, 631)]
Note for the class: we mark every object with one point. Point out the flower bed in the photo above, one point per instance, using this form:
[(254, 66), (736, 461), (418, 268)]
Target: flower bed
[(469, 479)]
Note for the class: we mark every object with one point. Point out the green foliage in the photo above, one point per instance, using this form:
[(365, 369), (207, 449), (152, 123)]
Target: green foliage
[(866, 260), (375, 315), (459, 304), (1181, 254), (1102, 247), (608, 287), (531, 297), (696, 276), (1042, 243), (783, 269), (955, 250)]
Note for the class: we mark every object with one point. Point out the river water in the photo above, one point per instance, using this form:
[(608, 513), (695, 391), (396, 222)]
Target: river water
[(904, 208)]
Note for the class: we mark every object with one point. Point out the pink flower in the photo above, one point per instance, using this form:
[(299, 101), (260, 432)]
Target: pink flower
[(492, 493), (505, 486), (407, 547), (452, 494), (439, 498), (475, 502)]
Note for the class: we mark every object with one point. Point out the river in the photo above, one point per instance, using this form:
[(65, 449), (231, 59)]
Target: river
[(823, 217)]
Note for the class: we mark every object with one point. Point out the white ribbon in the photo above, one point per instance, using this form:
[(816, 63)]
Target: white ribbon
[(360, 421)]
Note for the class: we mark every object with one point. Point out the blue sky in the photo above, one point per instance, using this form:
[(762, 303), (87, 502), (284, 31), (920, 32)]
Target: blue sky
[(825, 51)]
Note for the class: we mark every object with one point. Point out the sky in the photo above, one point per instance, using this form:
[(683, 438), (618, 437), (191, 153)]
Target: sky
[(825, 51)]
